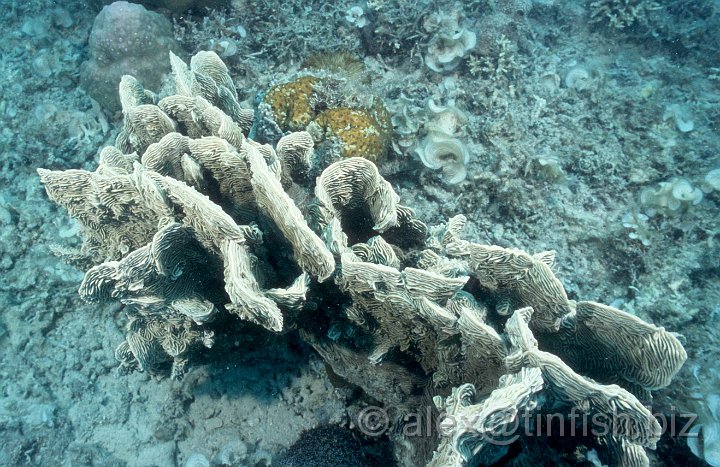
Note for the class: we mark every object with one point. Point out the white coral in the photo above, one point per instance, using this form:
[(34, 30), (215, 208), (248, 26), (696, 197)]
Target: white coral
[(356, 16), (712, 181), (446, 153), (704, 439), (675, 195), (441, 148), (450, 43), (681, 115)]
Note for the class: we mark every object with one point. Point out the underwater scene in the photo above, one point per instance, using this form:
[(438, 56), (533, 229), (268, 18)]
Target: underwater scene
[(360, 233)]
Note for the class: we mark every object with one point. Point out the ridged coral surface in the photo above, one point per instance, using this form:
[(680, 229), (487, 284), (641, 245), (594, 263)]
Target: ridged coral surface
[(577, 139), (354, 258)]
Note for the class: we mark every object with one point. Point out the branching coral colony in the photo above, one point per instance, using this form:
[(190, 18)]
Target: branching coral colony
[(188, 224)]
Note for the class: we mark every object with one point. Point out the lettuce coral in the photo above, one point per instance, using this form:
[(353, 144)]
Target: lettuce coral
[(442, 148), (450, 41), (187, 224)]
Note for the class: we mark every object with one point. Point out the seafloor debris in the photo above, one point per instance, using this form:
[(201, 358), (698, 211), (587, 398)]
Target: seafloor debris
[(190, 224)]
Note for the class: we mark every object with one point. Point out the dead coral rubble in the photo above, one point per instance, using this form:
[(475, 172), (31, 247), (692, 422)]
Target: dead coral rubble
[(188, 224)]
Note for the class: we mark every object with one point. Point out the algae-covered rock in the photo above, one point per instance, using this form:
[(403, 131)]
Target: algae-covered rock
[(126, 39)]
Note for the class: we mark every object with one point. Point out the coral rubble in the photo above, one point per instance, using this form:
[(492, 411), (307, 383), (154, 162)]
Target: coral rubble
[(189, 223)]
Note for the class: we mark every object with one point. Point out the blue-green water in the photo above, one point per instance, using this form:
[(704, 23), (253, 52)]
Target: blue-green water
[(589, 128)]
